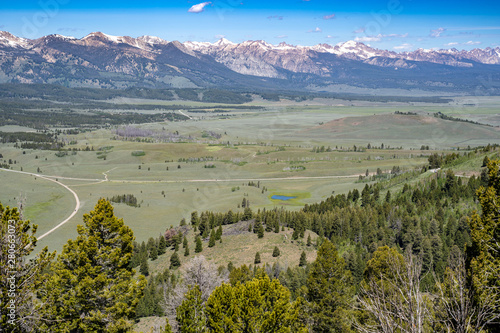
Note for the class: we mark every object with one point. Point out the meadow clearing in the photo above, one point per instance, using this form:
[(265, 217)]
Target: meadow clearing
[(274, 148)]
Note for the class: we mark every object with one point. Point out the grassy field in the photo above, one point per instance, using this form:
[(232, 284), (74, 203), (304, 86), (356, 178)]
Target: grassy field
[(272, 147)]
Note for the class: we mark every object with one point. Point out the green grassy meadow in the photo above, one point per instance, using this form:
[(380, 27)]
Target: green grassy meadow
[(272, 147)]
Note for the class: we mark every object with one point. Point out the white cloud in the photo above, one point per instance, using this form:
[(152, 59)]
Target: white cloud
[(220, 36), (472, 43), (437, 32), (360, 30), (396, 35), (451, 44), (282, 36), (199, 7), (330, 36), (316, 30), (404, 46), (368, 39), (329, 17)]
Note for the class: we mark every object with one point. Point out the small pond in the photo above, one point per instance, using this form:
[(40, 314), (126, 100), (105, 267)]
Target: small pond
[(282, 197)]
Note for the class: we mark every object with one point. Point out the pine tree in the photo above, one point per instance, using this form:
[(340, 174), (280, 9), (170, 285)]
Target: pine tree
[(484, 253), (276, 252), (247, 214), (259, 305), (190, 314), (17, 241), (162, 246), (144, 267), (218, 234), (167, 328), (309, 242), (257, 258), (92, 288), (211, 241), (388, 196), (184, 242), (186, 251), (330, 291), (174, 260), (154, 253), (199, 245), (194, 218), (303, 259)]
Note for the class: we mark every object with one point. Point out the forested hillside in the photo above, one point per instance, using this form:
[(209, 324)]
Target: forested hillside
[(421, 259)]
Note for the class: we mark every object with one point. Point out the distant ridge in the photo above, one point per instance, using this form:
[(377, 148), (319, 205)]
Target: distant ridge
[(103, 60)]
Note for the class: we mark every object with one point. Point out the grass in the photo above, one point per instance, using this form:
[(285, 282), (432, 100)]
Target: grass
[(193, 187), (240, 248)]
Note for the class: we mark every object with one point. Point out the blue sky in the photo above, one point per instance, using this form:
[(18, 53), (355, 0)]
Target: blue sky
[(397, 25)]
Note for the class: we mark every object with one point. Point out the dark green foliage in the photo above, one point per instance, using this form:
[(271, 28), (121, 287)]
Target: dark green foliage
[(199, 245), (257, 258), (191, 314), (303, 259), (218, 234), (483, 264), (174, 260), (211, 241), (162, 245), (329, 291), (186, 251), (149, 304), (276, 252), (92, 278), (128, 199), (247, 214), (154, 253)]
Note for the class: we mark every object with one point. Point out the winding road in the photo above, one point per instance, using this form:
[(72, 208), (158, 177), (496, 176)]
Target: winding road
[(77, 200), (77, 206)]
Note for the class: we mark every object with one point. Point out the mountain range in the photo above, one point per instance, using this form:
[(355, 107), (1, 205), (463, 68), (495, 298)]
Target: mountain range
[(101, 60)]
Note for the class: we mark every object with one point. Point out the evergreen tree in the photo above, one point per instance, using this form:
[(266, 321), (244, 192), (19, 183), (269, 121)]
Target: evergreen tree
[(257, 258), (276, 252), (365, 196), (184, 242), (484, 252), (174, 260), (303, 259), (167, 328), (190, 314), (218, 234), (194, 218), (17, 241), (329, 291), (154, 253), (144, 267), (162, 246), (199, 245), (186, 251), (309, 242), (247, 214), (388, 196), (211, 241), (260, 231), (259, 305), (92, 288), (276, 227)]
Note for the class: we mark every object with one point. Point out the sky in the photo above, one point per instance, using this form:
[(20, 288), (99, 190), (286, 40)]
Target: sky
[(397, 25)]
